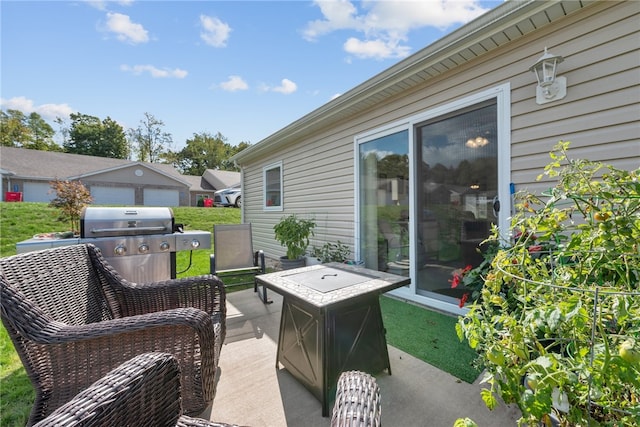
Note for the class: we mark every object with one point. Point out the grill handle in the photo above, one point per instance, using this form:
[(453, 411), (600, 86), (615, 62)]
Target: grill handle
[(117, 230)]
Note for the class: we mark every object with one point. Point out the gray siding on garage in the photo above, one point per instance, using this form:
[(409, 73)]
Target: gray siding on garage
[(600, 115)]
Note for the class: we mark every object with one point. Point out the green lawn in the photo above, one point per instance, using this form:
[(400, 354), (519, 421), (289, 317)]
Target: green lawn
[(20, 221)]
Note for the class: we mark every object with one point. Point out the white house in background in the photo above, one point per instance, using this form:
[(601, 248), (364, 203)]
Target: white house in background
[(411, 167), (110, 181)]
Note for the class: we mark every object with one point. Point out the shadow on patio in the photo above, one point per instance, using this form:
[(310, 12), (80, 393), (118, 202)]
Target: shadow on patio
[(252, 392)]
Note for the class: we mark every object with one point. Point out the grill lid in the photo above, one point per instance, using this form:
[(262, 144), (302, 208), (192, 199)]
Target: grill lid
[(125, 221)]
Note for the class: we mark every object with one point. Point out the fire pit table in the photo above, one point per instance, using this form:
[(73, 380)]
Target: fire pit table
[(331, 322)]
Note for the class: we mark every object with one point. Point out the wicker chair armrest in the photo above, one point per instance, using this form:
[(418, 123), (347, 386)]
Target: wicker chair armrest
[(58, 333), (145, 390), (357, 401)]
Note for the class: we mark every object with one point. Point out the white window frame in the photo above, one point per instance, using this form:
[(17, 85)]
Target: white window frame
[(266, 169), (502, 95)]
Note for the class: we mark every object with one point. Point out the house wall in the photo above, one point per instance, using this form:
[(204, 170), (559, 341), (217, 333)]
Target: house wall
[(600, 116)]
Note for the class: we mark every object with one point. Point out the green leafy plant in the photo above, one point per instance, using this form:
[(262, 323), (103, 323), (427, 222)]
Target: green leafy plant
[(331, 252), (472, 279), (293, 233), (71, 197), (557, 320)]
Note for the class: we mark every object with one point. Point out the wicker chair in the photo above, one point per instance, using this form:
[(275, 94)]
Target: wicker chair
[(72, 319), (142, 391), (357, 401)]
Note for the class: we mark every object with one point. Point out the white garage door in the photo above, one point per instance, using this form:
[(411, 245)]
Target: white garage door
[(158, 197), (38, 192), (113, 195)]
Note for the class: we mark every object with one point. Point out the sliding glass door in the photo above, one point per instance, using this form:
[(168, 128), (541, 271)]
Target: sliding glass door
[(456, 195), (429, 190)]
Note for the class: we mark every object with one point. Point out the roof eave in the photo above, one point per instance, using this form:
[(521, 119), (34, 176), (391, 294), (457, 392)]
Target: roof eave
[(497, 20)]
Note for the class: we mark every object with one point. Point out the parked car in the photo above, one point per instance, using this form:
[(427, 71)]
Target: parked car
[(228, 197)]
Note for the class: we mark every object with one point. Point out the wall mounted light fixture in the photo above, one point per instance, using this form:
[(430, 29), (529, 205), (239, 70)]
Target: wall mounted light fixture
[(477, 142), (550, 88)]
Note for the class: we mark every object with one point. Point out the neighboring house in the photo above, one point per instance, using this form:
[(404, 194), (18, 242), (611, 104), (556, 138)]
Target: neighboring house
[(110, 181), (412, 167), (211, 181), (200, 188), (222, 179)]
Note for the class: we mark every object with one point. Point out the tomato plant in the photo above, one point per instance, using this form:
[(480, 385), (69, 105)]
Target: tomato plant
[(563, 308)]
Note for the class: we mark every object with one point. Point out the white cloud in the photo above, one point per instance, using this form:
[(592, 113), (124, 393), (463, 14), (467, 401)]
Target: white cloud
[(286, 87), (125, 30), (155, 72), (377, 49), (214, 31), (385, 24), (102, 4), (234, 83), (339, 15), (47, 111)]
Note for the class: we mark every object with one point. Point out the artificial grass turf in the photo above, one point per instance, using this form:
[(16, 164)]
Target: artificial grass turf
[(429, 336)]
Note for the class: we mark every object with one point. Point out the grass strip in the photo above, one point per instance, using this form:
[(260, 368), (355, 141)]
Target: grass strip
[(429, 336)]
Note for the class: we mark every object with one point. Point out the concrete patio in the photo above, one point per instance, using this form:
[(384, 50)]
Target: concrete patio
[(252, 392)]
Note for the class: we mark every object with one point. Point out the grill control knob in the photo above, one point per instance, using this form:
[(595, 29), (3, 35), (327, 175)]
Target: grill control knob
[(164, 246), (143, 248), (195, 243), (120, 250)]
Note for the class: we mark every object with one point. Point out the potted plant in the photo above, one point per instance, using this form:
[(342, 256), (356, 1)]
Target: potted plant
[(330, 252), (293, 233), (556, 323)]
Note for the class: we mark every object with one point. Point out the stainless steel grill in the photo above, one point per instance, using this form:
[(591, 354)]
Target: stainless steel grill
[(139, 242)]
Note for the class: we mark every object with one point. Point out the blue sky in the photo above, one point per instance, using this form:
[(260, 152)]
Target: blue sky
[(242, 68)]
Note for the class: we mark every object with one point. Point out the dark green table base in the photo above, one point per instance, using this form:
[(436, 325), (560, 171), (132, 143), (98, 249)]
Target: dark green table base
[(316, 344)]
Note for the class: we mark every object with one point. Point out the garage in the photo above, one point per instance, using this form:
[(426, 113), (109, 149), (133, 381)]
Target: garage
[(113, 195), (161, 197), (38, 192)]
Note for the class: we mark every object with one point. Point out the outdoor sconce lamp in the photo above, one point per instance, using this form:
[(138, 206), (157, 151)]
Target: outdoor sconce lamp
[(550, 88), (477, 142)]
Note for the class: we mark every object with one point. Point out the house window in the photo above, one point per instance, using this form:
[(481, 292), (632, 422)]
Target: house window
[(272, 190)]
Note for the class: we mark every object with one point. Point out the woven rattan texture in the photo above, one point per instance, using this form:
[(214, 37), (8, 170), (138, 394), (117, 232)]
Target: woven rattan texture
[(72, 319), (144, 391), (357, 401)]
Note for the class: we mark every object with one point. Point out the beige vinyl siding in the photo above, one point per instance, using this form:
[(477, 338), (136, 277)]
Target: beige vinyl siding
[(600, 116), (601, 113), (320, 187)]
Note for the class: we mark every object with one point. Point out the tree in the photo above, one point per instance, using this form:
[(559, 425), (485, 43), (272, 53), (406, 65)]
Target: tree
[(41, 134), (32, 131), (13, 131), (149, 140), (92, 137), (205, 151), (71, 197)]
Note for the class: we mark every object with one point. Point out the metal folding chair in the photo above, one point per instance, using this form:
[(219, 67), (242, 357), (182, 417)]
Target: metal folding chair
[(234, 256)]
